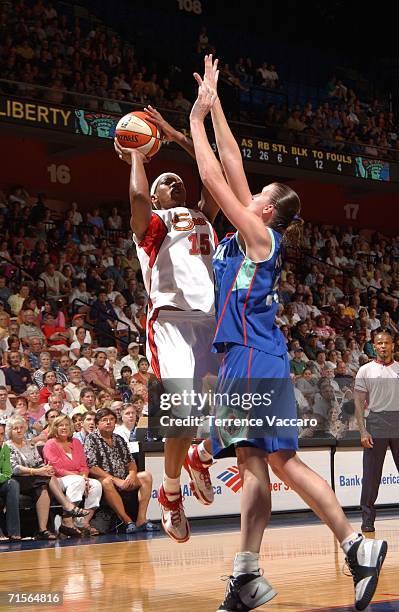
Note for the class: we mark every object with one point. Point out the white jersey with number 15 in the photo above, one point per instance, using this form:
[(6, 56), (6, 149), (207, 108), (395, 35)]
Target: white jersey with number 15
[(176, 260)]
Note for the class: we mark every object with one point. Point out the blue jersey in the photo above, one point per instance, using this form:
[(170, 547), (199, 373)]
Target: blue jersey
[(246, 298)]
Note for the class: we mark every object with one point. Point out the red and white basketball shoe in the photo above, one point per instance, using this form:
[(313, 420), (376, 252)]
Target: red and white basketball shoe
[(200, 482), (173, 519)]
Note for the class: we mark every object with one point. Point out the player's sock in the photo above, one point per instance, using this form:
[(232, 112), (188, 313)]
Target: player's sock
[(203, 454), (347, 543), (171, 487), (245, 563)]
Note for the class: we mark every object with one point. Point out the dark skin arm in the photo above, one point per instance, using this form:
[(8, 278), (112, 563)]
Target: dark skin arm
[(360, 399), (207, 205), (139, 191)]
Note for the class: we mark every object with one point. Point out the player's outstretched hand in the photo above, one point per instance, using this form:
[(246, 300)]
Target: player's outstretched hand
[(205, 100), (168, 132), (211, 74), (125, 154)]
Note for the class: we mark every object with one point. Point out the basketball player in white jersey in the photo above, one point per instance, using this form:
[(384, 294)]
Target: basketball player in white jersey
[(175, 244)]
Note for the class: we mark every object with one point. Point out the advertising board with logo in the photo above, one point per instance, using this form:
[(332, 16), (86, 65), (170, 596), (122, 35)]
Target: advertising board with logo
[(227, 486), (348, 478)]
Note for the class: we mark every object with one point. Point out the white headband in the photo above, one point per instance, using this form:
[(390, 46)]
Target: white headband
[(160, 178)]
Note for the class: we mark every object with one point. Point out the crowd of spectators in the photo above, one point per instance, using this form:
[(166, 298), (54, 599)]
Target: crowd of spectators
[(84, 63), (73, 304), (75, 58), (344, 291), (343, 124), (72, 328), (72, 335)]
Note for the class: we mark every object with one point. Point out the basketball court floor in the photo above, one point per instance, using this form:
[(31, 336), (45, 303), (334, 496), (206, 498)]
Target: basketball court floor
[(152, 573)]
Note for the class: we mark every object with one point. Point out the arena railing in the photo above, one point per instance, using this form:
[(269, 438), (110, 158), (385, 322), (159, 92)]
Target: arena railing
[(110, 234), (21, 274), (114, 109)]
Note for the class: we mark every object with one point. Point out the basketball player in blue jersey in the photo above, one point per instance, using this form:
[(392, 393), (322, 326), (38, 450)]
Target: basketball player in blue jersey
[(175, 243), (247, 269)]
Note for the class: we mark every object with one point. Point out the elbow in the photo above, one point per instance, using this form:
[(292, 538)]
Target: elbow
[(138, 197)]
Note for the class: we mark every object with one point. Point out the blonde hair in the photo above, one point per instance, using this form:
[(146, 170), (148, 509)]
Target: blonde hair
[(32, 389), (11, 422), (101, 402), (52, 430)]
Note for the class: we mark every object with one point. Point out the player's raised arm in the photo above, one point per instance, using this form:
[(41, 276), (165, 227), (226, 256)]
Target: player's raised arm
[(248, 224), (139, 192), (207, 204), (229, 152), (168, 132)]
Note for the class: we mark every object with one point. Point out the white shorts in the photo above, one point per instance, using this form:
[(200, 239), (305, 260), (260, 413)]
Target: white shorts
[(179, 344), (179, 350)]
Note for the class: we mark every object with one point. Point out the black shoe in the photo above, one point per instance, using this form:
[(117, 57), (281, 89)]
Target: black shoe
[(246, 592), (71, 532), (364, 559), (45, 535), (367, 528)]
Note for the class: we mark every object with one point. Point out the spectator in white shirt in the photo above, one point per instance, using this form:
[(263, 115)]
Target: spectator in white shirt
[(133, 357), (332, 288), (53, 404), (56, 283), (114, 221), (73, 388), (78, 320), (80, 292), (6, 407), (86, 357), (112, 362), (373, 321), (75, 347), (76, 216)]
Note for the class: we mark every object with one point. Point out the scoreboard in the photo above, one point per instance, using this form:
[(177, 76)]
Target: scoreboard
[(308, 158), (263, 151)]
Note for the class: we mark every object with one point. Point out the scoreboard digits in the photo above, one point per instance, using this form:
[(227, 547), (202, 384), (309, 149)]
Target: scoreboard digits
[(308, 158), (255, 149)]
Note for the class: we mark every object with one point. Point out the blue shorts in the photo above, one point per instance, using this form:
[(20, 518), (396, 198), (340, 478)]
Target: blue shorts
[(256, 405)]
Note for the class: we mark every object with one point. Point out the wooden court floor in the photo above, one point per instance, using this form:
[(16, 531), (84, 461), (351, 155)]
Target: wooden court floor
[(303, 563)]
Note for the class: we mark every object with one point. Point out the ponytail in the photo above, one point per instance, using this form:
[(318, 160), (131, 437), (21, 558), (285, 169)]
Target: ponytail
[(293, 234), (286, 219)]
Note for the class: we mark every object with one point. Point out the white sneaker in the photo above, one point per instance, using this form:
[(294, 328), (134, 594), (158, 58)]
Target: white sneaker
[(200, 482), (364, 559), (173, 519)]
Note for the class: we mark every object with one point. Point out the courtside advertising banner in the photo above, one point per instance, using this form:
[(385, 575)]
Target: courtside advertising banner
[(348, 478), (227, 486)]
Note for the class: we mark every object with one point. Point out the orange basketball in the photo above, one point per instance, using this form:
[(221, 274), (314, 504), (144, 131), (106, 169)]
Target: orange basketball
[(136, 131)]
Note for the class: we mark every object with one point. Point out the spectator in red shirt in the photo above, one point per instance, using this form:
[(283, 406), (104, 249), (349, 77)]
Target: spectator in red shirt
[(56, 336), (68, 459), (49, 380), (142, 375)]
